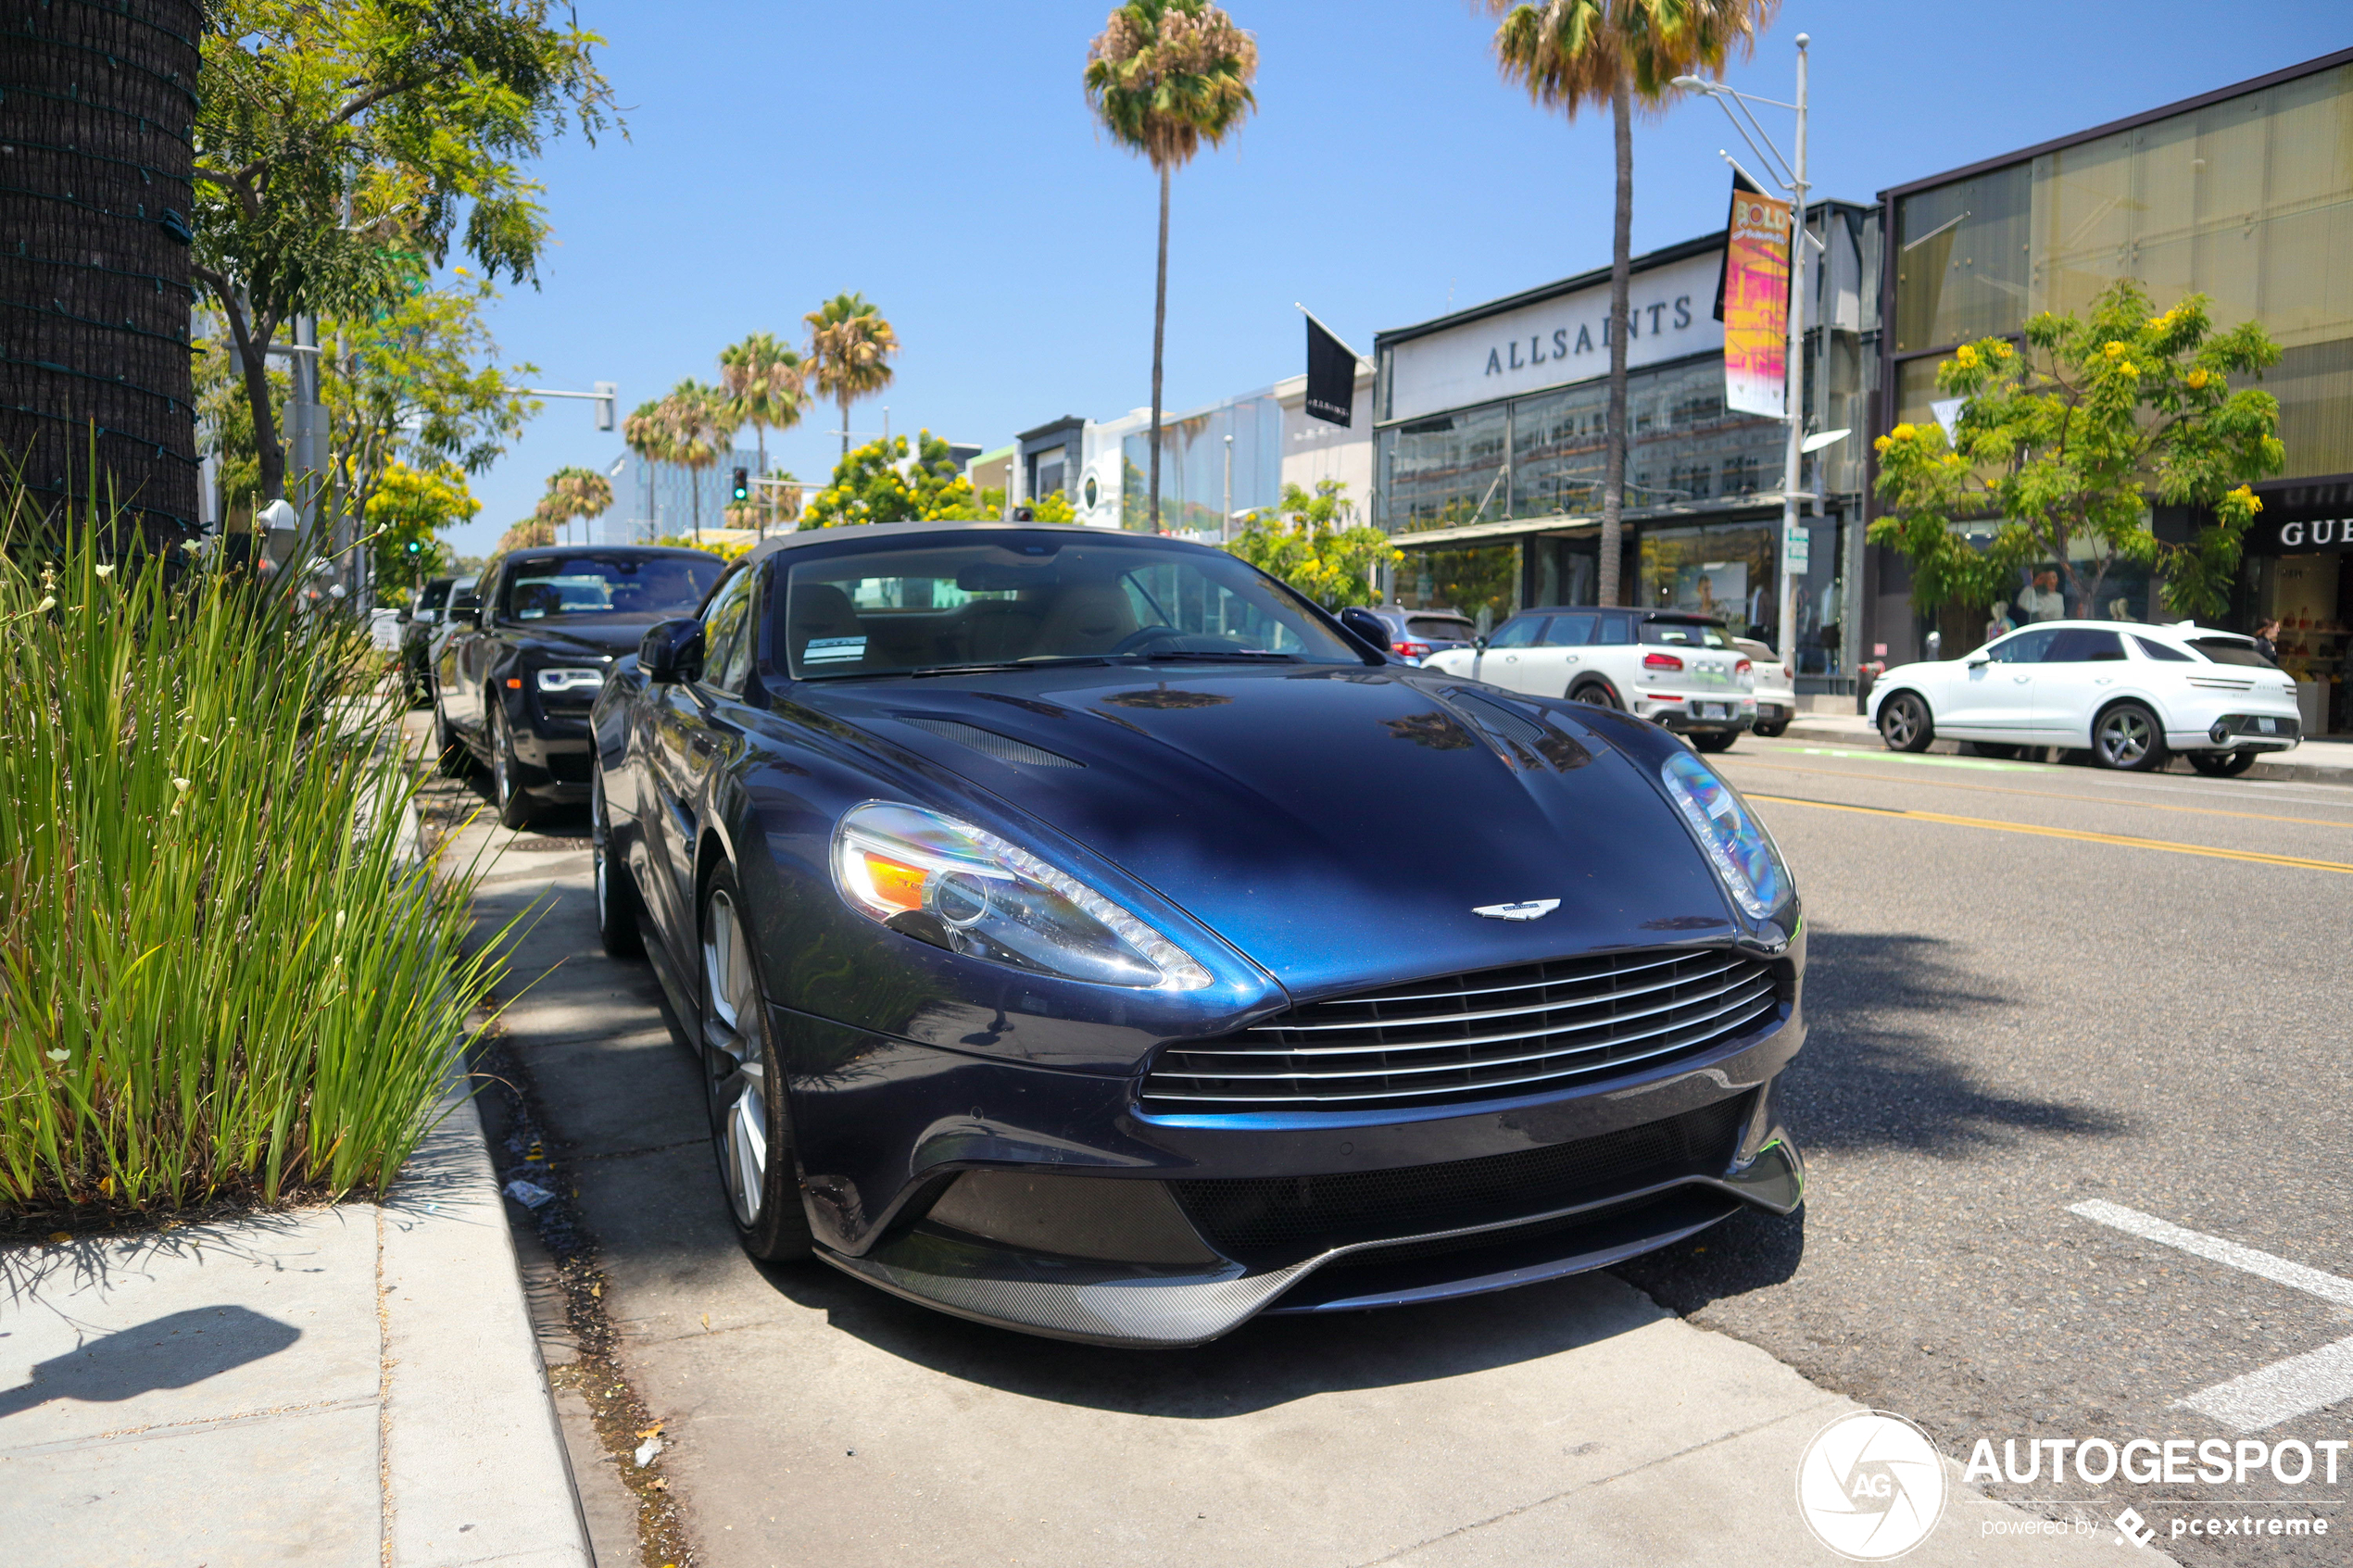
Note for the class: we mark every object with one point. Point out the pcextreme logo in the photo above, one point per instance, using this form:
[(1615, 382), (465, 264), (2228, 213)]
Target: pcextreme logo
[(1870, 1487)]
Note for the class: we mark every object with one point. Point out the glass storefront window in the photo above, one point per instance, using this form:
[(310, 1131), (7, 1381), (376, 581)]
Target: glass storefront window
[(1961, 261), (1686, 446), (1723, 569), (1192, 465), (1445, 470), (1481, 581), (1559, 452)]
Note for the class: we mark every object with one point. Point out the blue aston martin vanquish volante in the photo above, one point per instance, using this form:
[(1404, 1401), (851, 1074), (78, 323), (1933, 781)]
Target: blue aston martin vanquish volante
[(1084, 933)]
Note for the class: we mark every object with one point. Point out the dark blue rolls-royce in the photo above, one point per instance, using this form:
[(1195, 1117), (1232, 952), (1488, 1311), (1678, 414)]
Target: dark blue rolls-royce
[(1084, 933)]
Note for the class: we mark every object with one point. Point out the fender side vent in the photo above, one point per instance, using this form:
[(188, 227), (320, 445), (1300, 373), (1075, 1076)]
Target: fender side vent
[(989, 743)]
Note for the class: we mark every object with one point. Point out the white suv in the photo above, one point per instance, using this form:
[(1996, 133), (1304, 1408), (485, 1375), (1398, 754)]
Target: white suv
[(2129, 694), (1680, 671)]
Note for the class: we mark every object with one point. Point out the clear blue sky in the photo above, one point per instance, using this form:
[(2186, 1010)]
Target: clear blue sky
[(940, 159)]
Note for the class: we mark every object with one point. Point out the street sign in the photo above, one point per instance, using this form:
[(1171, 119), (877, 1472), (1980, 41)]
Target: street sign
[(1794, 547)]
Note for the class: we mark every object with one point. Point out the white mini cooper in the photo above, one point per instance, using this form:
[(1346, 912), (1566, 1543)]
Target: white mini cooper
[(2129, 694)]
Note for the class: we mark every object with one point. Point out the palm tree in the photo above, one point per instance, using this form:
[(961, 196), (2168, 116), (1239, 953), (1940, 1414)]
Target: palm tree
[(850, 348), (701, 423), (1580, 53), (767, 383), (576, 494), (1164, 77), (647, 433)]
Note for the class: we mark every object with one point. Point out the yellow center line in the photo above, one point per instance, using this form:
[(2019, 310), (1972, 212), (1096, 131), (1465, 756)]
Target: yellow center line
[(2045, 794), (2066, 832)]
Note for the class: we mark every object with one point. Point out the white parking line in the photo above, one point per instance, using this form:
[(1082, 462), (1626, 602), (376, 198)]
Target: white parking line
[(2268, 1395)]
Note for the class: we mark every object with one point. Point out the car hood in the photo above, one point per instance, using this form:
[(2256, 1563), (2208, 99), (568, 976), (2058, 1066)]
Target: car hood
[(1339, 827), (596, 637)]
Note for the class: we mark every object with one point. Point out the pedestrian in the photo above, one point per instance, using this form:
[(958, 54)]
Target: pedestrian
[(2267, 639)]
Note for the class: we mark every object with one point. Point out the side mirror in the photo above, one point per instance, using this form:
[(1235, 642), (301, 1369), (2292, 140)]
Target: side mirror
[(1979, 661), (671, 651), (1479, 643), (1368, 627)]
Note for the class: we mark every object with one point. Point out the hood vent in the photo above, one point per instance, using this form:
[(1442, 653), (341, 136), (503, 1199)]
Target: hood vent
[(989, 743), (1520, 738)]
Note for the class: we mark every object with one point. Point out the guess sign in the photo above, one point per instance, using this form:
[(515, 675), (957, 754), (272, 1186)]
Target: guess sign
[(2298, 536)]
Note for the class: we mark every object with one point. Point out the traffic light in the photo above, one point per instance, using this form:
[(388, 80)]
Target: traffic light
[(743, 484), (416, 546)]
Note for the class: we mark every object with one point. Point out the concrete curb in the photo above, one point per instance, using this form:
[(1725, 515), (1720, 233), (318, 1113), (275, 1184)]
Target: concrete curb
[(475, 1469), (2294, 769)]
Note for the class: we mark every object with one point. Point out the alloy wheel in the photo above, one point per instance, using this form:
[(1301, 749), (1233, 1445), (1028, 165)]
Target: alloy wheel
[(502, 777), (732, 1061), (1900, 721), (2125, 737), (596, 844)]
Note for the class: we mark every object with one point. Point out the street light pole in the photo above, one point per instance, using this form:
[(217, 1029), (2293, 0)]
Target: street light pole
[(1793, 539)]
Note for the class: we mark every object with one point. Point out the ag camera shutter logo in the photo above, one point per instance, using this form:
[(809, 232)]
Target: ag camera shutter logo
[(1870, 1487)]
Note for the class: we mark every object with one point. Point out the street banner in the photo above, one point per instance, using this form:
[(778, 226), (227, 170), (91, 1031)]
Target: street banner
[(1331, 375), (1755, 302)]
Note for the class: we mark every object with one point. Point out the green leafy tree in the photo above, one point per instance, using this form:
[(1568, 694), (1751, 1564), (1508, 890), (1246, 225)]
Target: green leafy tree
[(850, 350), (2070, 440), (1581, 53), (1315, 543), (408, 512), (878, 483), (340, 149), (1164, 77), (768, 384), (415, 384), (1053, 507)]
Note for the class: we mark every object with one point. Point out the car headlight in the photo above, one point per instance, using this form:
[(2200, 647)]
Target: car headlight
[(1737, 843), (571, 680), (957, 887)]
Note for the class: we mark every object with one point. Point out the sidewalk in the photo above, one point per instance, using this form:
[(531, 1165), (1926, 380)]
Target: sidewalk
[(351, 1385), (2314, 761)]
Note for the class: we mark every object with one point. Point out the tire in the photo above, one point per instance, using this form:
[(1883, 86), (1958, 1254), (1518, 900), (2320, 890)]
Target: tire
[(2128, 738), (1904, 722), (1768, 728), (515, 807), (743, 1085), (620, 912), (1719, 740), (455, 761), (2222, 764), (1601, 694)]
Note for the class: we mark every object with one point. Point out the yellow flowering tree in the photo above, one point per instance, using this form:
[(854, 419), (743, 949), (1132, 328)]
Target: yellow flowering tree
[(1313, 543), (2071, 440), (879, 484)]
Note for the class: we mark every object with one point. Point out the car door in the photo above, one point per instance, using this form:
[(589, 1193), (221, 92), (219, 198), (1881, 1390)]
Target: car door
[(1504, 664), (1613, 653), (467, 658), (1551, 666), (1993, 697), (2083, 666), (690, 735)]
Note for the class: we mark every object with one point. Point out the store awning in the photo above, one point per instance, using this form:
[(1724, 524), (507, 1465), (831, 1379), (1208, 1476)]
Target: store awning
[(1580, 525)]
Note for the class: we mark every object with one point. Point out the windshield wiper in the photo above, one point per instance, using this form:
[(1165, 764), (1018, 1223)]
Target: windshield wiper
[(1243, 654), (1036, 663)]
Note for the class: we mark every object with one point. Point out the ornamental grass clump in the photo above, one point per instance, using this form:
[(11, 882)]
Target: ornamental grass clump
[(224, 976)]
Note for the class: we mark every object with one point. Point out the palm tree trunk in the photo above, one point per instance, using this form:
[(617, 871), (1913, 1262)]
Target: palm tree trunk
[(759, 508), (845, 427), (1160, 326), (694, 497), (1621, 278)]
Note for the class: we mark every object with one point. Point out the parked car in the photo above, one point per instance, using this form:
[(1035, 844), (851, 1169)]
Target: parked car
[(1679, 671), (1032, 898), (2129, 694), (515, 672), (1776, 687), (417, 621), (1415, 635)]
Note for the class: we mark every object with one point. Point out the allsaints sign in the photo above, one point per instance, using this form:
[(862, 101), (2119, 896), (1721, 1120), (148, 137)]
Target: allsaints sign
[(1555, 342)]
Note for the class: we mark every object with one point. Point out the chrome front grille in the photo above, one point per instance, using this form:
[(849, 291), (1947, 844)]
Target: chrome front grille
[(1462, 1037)]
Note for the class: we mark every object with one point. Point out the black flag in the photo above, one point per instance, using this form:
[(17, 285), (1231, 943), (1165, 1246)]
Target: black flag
[(1739, 182), (1331, 375)]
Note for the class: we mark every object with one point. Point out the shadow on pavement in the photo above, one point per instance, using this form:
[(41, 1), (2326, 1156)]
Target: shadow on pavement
[(171, 1351), (1870, 1075)]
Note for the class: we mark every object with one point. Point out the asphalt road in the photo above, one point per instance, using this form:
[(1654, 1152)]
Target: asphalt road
[(2021, 1013), (2031, 988)]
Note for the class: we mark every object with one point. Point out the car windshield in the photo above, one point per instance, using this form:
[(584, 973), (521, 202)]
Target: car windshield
[(616, 585), (933, 605), (1684, 633), (1445, 628), (2230, 650)]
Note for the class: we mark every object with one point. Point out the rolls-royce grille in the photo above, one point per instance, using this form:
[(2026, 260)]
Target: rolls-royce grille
[(1462, 1037), (1282, 1218)]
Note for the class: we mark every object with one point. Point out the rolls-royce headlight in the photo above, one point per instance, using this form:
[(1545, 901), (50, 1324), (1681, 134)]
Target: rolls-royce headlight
[(1737, 845), (568, 679), (946, 882)]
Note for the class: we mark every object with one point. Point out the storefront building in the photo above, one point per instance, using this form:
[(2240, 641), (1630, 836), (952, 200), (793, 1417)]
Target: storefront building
[(1489, 449), (2245, 195)]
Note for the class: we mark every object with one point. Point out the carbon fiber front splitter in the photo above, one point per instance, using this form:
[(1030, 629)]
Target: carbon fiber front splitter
[(1107, 1303)]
